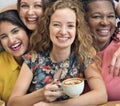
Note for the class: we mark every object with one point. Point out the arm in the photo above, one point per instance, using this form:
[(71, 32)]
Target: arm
[(19, 96), (96, 96), (10, 7)]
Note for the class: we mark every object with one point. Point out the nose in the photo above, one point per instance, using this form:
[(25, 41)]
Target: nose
[(11, 39), (30, 11), (63, 30), (105, 21)]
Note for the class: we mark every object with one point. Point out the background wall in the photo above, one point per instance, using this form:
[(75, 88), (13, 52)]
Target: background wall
[(4, 3)]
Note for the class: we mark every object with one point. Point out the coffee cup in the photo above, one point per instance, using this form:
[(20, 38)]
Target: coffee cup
[(2, 103), (73, 87)]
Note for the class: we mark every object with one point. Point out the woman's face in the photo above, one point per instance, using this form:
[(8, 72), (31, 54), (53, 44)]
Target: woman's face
[(13, 39), (30, 11), (102, 20), (63, 28)]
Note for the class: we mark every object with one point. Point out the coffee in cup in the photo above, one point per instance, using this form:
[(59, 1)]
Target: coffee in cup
[(73, 87)]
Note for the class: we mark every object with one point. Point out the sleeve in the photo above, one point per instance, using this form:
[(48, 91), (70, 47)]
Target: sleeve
[(27, 59), (31, 60)]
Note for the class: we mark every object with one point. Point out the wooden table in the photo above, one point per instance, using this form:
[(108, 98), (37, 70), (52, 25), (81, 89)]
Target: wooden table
[(111, 103)]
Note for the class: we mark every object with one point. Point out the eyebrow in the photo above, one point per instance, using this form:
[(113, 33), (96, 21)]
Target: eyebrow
[(60, 22), (2, 34), (10, 30)]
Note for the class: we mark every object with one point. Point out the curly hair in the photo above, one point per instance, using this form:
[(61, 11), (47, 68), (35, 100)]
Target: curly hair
[(83, 43)]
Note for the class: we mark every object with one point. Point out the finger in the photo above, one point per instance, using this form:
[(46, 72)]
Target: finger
[(111, 69), (114, 60), (53, 93), (117, 67), (116, 72), (51, 96), (51, 87), (112, 64)]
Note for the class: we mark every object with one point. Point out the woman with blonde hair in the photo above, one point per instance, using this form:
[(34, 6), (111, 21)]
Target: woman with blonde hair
[(61, 48)]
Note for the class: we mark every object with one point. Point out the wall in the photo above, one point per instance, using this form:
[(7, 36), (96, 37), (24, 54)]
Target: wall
[(4, 3)]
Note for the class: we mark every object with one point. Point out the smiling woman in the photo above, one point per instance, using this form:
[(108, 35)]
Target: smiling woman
[(14, 38), (101, 18), (31, 10), (61, 48)]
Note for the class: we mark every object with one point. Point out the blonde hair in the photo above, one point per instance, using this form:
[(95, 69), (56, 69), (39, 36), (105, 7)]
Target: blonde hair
[(83, 43)]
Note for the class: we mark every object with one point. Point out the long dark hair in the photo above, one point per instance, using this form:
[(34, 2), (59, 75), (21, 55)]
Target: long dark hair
[(13, 17)]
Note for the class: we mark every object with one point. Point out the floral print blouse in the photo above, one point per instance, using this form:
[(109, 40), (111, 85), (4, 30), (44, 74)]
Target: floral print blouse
[(44, 69)]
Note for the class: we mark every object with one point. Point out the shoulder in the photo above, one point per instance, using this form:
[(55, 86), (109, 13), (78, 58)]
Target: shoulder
[(4, 56)]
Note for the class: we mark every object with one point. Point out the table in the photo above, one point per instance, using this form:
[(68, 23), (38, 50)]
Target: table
[(111, 103)]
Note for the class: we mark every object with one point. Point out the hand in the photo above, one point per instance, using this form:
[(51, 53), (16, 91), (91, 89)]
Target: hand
[(52, 91), (115, 63)]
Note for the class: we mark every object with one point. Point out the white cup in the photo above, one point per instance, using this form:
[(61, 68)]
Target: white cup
[(2, 103), (73, 87)]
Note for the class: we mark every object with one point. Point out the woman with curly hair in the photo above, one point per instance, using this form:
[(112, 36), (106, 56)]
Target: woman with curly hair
[(61, 48)]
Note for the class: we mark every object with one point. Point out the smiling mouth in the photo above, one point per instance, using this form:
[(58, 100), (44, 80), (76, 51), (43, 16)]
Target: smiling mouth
[(16, 46), (63, 38), (31, 20), (103, 32)]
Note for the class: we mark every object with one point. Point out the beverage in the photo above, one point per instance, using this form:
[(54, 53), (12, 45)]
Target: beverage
[(72, 81), (73, 87)]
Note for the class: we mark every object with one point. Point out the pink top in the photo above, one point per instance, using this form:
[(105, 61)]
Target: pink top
[(112, 83)]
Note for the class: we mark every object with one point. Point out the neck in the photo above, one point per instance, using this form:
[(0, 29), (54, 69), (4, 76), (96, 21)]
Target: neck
[(19, 60), (59, 55), (102, 46)]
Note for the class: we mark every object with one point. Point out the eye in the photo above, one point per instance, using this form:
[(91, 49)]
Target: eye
[(96, 16), (3, 36), (15, 31), (38, 6), (24, 6), (56, 24), (111, 16), (71, 26)]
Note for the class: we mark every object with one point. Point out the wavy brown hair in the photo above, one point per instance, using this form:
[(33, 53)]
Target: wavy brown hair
[(83, 43)]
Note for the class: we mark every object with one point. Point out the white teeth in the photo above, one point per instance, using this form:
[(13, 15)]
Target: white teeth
[(63, 38), (31, 19), (16, 45), (104, 31)]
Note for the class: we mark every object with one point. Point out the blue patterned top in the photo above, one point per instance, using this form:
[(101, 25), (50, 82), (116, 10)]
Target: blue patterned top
[(44, 69)]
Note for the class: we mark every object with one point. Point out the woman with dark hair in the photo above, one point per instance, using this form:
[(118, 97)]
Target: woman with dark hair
[(101, 17), (14, 39)]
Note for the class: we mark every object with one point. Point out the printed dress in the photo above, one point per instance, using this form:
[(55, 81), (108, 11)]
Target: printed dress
[(44, 69)]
